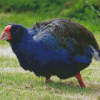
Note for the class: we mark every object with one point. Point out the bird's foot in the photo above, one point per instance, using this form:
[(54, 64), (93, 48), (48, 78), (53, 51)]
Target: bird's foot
[(79, 78), (47, 80)]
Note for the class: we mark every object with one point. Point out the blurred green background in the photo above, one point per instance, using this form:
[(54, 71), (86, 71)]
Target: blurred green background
[(28, 12), (81, 9), (48, 9), (40, 10)]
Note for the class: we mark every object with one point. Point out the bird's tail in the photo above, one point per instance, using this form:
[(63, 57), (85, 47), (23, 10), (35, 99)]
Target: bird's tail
[(96, 53)]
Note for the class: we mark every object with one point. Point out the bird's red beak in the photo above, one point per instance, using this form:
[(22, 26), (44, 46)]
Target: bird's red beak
[(6, 33)]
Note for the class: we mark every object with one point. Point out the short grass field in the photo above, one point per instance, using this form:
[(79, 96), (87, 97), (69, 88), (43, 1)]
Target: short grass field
[(17, 84)]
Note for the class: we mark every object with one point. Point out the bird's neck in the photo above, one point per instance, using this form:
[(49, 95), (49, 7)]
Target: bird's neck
[(24, 43)]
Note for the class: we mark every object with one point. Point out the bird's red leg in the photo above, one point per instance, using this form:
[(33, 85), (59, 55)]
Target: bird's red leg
[(79, 78), (47, 80)]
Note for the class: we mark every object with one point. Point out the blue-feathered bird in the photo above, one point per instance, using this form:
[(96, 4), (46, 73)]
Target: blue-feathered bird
[(58, 47)]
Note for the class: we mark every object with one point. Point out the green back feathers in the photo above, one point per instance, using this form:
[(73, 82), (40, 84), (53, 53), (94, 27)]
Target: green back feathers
[(64, 29)]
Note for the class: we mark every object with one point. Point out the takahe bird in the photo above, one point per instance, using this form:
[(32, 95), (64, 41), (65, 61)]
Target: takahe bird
[(58, 47)]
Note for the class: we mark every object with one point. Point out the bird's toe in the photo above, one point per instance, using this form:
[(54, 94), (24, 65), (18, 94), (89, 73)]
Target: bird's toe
[(48, 80)]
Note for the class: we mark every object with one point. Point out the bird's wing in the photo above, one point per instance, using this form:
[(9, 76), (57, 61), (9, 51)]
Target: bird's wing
[(82, 54), (62, 28), (66, 34), (52, 34)]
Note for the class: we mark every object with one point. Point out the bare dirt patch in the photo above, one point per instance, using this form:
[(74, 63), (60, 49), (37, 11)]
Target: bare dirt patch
[(6, 52)]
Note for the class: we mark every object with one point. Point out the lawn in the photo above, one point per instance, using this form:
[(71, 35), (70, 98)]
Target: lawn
[(17, 84)]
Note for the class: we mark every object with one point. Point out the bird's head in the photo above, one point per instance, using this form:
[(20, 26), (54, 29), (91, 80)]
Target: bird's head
[(6, 33), (12, 32)]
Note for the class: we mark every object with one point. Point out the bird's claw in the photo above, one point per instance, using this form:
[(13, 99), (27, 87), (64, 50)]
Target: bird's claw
[(47, 80)]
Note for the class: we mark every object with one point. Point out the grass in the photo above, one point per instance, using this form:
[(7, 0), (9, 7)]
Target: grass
[(16, 84)]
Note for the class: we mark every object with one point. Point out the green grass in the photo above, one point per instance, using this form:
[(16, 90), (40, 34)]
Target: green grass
[(17, 84), (8, 62)]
